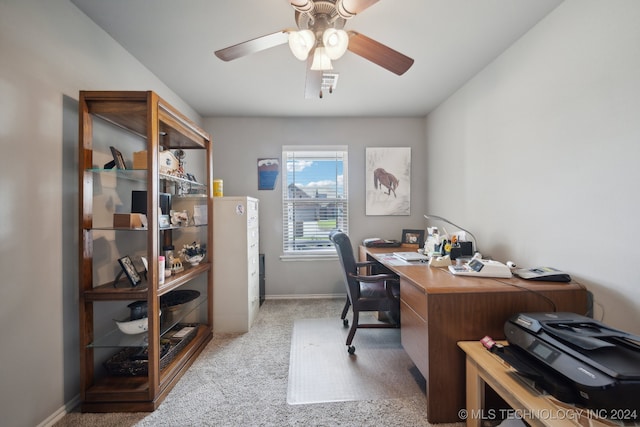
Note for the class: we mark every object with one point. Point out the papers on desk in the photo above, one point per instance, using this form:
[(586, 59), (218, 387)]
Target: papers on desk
[(411, 256), (391, 259)]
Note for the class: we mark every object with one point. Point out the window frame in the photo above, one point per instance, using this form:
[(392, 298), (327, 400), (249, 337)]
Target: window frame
[(341, 203)]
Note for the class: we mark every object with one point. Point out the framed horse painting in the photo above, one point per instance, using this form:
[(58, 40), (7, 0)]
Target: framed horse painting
[(388, 180)]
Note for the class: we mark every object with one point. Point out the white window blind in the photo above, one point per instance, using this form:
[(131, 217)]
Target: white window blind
[(314, 197)]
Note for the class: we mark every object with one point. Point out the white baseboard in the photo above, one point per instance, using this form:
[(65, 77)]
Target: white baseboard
[(60, 413), (306, 296)]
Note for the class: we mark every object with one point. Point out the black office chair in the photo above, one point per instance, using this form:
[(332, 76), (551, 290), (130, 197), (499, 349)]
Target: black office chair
[(378, 292)]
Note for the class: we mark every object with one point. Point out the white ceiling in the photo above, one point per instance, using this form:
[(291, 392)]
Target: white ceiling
[(450, 41)]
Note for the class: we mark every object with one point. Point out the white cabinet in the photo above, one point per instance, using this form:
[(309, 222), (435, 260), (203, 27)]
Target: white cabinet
[(236, 296)]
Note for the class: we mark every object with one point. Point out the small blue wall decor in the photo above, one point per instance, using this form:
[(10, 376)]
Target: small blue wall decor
[(268, 170)]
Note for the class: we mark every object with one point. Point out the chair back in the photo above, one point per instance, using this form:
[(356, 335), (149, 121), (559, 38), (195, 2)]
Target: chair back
[(345, 252)]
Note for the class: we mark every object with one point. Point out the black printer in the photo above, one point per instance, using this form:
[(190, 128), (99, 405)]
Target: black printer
[(577, 359)]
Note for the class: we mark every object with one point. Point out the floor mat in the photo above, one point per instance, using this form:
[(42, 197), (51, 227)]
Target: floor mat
[(321, 370)]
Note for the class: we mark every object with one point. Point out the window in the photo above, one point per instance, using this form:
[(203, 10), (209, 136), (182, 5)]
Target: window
[(314, 198)]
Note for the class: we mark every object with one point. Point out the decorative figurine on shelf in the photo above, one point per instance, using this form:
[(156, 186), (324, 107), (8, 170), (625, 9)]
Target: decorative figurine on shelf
[(183, 186), (168, 163), (194, 253), (176, 265), (179, 218), (180, 155)]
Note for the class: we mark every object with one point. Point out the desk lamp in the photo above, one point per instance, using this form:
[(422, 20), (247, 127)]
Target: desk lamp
[(457, 226)]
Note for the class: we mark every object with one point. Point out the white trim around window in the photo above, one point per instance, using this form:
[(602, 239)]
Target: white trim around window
[(314, 199)]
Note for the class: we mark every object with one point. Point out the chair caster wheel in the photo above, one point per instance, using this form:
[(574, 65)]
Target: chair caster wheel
[(345, 323), (351, 349)]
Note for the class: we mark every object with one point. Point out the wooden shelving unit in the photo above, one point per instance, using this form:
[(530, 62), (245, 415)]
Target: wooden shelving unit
[(151, 125)]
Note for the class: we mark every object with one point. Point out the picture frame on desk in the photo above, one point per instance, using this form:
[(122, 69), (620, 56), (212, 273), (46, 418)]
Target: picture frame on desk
[(413, 237)]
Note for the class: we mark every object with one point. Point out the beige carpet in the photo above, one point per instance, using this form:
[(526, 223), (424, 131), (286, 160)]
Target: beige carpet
[(241, 380), (321, 370)]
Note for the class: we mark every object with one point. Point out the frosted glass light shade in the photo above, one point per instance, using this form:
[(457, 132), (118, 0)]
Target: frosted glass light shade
[(335, 42), (320, 60), (302, 6), (301, 42)]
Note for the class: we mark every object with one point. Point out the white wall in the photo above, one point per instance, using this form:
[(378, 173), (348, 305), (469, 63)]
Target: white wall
[(49, 51), (541, 150), (239, 142)]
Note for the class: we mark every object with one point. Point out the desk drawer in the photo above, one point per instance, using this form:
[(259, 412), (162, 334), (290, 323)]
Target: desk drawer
[(414, 298), (414, 337)]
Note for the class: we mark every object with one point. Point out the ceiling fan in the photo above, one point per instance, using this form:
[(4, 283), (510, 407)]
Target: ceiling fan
[(320, 38)]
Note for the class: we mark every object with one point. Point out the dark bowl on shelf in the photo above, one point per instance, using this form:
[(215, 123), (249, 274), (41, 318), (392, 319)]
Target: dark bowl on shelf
[(168, 301), (138, 310), (179, 297)]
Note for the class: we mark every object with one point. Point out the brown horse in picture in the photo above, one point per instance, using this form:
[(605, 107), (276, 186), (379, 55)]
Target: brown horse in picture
[(383, 178)]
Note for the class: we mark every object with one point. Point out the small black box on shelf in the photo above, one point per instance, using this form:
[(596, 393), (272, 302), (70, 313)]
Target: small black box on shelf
[(139, 202)]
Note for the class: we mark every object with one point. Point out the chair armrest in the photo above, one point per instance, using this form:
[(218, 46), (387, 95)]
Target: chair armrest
[(375, 278), (366, 265), (386, 278)]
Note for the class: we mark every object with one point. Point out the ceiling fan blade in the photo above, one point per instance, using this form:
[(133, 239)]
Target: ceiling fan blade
[(253, 46), (349, 8), (313, 82), (378, 53)]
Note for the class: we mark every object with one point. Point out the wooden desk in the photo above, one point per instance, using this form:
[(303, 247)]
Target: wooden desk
[(439, 309), (526, 403)]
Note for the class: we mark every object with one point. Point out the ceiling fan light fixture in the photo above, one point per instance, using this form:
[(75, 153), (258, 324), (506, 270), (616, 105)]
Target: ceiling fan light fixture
[(321, 60), (303, 6), (347, 9), (335, 42), (342, 11), (301, 42)]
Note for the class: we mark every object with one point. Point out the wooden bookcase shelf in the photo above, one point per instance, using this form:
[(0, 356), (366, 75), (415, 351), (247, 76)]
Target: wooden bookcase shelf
[(151, 126)]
